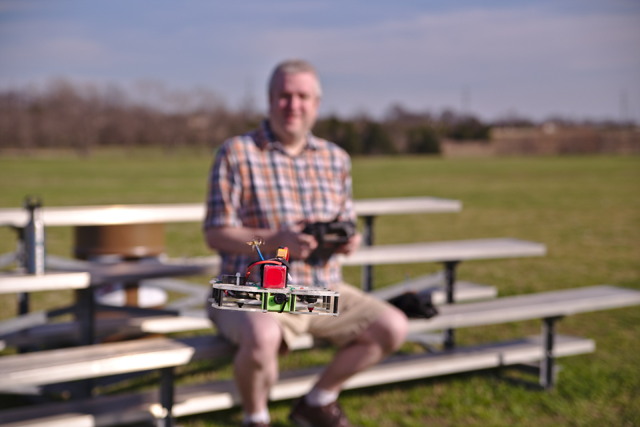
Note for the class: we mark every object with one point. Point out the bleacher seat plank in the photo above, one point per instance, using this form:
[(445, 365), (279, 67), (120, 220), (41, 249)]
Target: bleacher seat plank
[(115, 358), (132, 271), (77, 363), (15, 283), (141, 355), (55, 333), (405, 368), (99, 411), (405, 205), (65, 333), (222, 395), (532, 306), (456, 250), (444, 251), (107, 214), (194, 212), (47, 367), (201, 398)]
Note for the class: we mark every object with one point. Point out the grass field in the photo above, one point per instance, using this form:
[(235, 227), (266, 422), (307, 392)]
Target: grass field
[(585, 209)]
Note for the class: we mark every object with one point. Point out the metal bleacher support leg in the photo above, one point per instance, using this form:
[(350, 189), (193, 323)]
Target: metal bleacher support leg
[(34, 247), (450, 280), (547, 364), (23, 297), (166, 397), (85, 315), (367, 239)]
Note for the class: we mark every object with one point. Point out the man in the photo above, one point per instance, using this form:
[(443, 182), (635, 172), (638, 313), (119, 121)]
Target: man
[(268, 184)]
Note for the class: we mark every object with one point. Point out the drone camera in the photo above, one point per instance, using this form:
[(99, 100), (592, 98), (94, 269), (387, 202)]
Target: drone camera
[(279, 298)]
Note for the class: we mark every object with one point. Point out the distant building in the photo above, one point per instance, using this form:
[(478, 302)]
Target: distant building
[(554, 139)]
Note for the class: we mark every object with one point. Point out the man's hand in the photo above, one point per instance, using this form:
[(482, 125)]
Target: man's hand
[(300, 244), (354, 243)]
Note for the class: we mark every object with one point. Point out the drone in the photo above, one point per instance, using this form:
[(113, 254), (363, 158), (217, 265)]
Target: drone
[(265, 287)]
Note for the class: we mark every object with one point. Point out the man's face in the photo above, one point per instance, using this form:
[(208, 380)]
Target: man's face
[(293, 106)]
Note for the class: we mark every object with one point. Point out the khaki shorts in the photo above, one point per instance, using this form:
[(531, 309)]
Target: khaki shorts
[(357, 310)]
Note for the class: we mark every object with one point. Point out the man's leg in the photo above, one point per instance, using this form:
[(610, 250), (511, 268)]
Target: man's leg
[(259, 338), (384, 336), (371, 330), (256, 361)]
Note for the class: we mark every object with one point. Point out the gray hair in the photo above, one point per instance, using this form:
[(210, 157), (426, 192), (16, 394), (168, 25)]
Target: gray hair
[(293, 66)]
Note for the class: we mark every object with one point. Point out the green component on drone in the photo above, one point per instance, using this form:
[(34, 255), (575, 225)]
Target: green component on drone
[(278, 301)]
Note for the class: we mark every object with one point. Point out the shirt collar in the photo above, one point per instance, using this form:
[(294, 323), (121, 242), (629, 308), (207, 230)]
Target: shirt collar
[(267, 140)]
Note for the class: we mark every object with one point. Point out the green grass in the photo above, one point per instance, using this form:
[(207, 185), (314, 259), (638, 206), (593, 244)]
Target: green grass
[(585, 209)]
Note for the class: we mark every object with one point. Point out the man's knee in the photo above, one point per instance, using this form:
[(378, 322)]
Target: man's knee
[(391, 329), (260, 341)]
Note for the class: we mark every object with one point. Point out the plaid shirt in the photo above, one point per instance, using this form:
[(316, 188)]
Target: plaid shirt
[(255, 183)]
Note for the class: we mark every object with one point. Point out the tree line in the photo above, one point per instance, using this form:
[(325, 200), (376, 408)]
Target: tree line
[(84, 117)]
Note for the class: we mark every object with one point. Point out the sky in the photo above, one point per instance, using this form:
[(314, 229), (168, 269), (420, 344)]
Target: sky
[(579, 59)]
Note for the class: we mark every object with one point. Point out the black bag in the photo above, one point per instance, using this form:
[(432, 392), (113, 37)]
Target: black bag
[(414, 305)]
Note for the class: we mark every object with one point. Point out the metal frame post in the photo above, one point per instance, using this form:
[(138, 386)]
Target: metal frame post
[(34, 247), (450, 280), (547, 364), (166, 396), (367, 239), (85, 315)]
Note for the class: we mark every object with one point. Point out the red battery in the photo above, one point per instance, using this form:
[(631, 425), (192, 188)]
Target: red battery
[(274, 276)]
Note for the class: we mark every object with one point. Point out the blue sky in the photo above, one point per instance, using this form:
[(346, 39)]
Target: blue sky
[(575, 58)]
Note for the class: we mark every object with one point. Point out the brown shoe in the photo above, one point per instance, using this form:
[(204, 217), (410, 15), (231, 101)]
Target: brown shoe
[(330, 415)]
